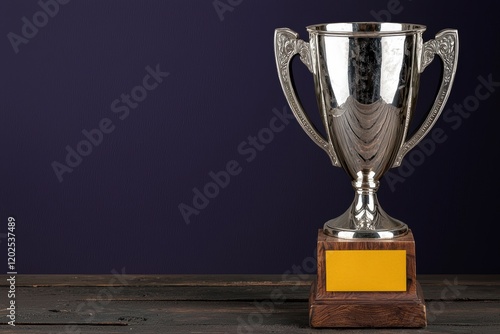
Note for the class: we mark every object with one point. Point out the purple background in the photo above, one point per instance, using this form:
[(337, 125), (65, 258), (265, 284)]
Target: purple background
[(119, 206)]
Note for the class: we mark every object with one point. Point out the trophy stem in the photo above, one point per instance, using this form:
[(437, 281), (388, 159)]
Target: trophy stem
[(365, 218)]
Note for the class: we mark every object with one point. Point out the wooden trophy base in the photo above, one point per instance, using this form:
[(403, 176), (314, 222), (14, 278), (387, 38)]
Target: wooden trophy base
[(366, 283)]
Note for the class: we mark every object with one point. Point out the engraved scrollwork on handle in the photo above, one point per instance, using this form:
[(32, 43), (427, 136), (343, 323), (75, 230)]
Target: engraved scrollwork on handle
[(289, 46), (286, 46), (305, 54), (444, 45)]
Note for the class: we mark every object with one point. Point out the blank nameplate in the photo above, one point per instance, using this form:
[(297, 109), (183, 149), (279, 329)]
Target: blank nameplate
[(365, 270)]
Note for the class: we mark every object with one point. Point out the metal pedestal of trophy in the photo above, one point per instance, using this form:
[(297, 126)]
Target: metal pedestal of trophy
[(366, 77)]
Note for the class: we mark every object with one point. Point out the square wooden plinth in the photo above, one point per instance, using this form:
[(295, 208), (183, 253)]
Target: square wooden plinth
[(366, 309)]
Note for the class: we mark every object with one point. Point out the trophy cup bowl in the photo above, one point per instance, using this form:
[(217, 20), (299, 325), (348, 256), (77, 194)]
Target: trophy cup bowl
[(366, 77)]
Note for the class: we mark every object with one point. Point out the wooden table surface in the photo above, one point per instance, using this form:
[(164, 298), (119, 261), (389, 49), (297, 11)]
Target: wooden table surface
[(122, 303)]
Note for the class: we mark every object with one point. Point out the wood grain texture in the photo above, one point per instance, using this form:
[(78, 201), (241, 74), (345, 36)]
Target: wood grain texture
[(223, 304)]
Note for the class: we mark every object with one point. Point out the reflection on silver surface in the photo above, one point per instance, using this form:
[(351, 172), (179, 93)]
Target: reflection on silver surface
[(366, 80)]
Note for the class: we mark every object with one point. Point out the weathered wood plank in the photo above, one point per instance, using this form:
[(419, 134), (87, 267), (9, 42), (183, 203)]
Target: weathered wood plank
[(234, 329), (230, 304), (216, 280), (170, 313), (262, 330), (122, 278), (230, 293), (189, 321)]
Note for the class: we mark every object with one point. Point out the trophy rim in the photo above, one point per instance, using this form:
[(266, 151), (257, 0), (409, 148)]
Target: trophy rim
[(342, 28)]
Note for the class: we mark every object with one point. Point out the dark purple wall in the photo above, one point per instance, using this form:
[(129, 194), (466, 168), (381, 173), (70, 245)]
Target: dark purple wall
[(205, 83)]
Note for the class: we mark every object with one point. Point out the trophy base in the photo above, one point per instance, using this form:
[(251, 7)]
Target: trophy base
[(366, 283)]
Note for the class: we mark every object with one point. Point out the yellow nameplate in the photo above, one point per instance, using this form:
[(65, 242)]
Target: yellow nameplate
[(365, 270)]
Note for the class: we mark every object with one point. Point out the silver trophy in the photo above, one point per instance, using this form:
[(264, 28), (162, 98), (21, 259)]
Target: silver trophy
[(366, 77)]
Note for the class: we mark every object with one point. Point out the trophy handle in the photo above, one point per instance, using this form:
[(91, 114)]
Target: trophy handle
[(446, 46), (286, 45)]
